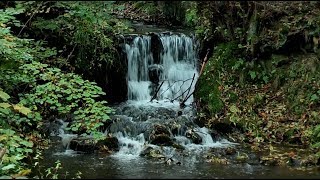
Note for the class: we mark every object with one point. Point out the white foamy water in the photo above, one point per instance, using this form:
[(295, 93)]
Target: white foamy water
[(131, 147), (208, 142), (178, 65), (67, 152), (65, 137)]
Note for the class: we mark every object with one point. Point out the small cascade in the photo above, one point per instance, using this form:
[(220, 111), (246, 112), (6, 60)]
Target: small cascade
[(131, 147), (170, 76), (139, 56), (65, 138)]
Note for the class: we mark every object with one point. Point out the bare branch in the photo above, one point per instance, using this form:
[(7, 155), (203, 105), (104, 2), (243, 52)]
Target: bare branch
[(155, 95)]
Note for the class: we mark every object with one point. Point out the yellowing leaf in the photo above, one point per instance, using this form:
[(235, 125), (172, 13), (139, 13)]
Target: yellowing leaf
[(21, 109), (3, 137), (5, 105), (22, 173)]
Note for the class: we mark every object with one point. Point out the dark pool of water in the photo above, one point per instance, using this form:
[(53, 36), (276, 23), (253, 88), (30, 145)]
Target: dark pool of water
[(109, 167)]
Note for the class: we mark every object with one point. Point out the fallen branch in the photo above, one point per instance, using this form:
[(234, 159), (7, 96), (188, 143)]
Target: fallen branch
[(183, 81), (71, 52), (205, 60), (182, 103), (155, 95), (186, 89)]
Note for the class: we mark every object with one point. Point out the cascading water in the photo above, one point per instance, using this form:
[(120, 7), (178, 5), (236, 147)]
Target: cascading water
[(139, 56), (171, 79), (175, 71)]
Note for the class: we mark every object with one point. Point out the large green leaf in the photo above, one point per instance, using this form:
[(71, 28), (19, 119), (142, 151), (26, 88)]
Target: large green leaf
[(4, 96), (10, 166)]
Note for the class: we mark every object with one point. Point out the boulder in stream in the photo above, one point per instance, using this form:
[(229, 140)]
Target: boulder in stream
[(151, 152), (89, 145), (85, 145), (193, 136), (160, 135)]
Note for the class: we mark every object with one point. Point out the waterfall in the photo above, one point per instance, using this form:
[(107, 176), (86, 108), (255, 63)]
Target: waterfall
[(174, 71), (165, 64)]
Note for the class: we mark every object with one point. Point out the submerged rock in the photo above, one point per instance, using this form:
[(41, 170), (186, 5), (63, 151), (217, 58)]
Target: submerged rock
[(110, 142), (162, 139), (150, 152), (242, 157), (85, 145), (160, 135), (193, 136)]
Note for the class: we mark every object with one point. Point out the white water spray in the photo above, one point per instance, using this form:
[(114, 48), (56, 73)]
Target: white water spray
[(177, 68)]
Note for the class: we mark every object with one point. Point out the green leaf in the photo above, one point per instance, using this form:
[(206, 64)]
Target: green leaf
[(4, 111), (252, 74), (4, 96), (74, 128), (314, 97), (10, 166), (27, 143)]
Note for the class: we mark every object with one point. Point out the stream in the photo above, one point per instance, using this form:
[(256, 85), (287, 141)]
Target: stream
[(168, 69)]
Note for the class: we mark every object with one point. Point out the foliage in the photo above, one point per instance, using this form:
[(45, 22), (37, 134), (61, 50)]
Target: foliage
[(16, 146), (191, 15), (261, 27), (273, 109), (86, 31), (31, 92), (61, 94)]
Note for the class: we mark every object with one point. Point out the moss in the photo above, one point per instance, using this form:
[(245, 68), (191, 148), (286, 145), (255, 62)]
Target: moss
[(207, 89), (208, 94)]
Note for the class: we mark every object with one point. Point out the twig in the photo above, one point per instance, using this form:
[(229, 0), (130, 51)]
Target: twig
[(183, 81), (29, 20), (182, 103), (194, 74), (71, 52), (188, 95), (186, 89), (155, 95), (205, 60)]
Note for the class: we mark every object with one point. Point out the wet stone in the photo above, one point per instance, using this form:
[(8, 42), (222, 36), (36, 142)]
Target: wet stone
[(85, 145), (309, 161), (150, 152), (269, 160), (194, 137), (160, 135), (163, 140), (89, 145), (110, 142)]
